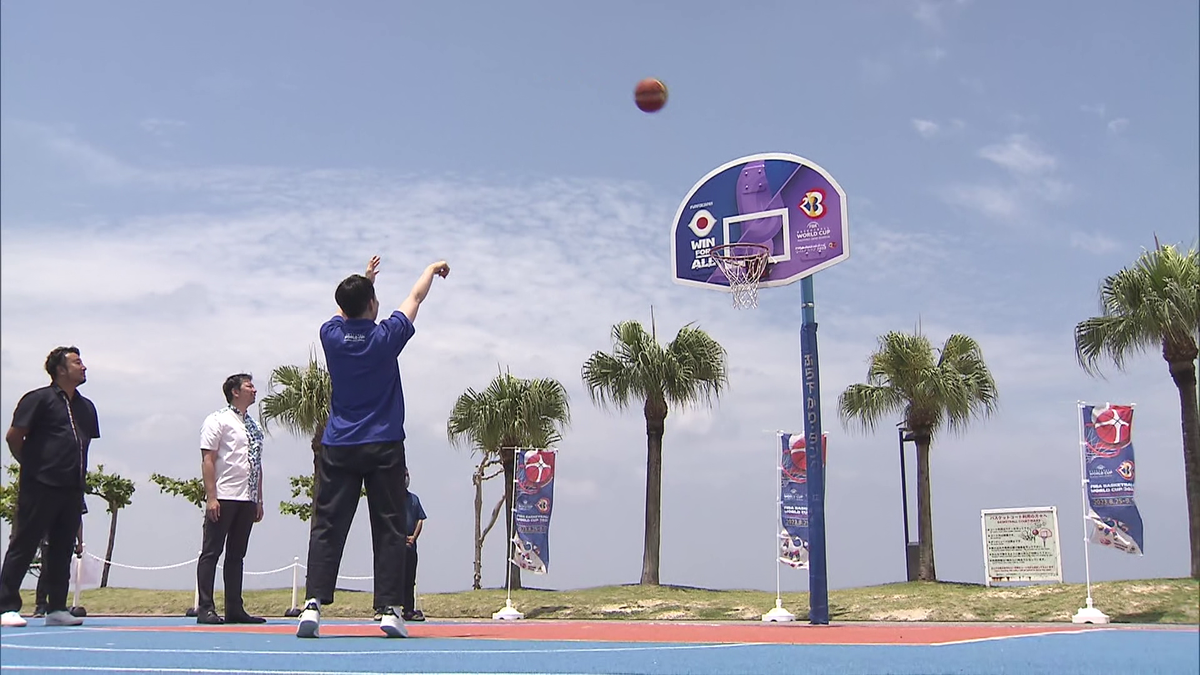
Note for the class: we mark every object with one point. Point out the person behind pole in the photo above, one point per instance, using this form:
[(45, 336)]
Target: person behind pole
[(51, 432), (231, 464), (363, 442), (416, 521), (40, 603)]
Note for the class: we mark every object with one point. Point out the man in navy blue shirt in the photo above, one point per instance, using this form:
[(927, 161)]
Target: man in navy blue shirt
[(416, 522), (363, 442)]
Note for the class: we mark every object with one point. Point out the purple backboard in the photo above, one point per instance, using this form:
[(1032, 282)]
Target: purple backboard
[(777, 199)]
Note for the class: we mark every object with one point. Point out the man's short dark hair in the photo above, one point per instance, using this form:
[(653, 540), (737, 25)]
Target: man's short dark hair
[(354, 295), (233, 383), (58, 359)]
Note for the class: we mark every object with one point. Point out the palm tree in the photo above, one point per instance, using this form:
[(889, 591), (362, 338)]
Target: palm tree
[(691, 369), (1155, 304), (511, 413), (931, 392), (299, 400)]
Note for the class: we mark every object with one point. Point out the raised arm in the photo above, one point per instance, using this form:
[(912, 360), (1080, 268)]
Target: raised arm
[(421, 288)]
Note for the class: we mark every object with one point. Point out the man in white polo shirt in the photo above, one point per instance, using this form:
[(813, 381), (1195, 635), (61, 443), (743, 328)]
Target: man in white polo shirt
[(231, 463)]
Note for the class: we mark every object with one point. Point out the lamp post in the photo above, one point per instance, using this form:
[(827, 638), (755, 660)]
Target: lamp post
[(911, 549)]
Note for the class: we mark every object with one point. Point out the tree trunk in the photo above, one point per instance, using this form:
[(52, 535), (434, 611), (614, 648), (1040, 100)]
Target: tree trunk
[(316, 448), (1184, 375), (925, 567), (477, 479), (112, 539), (655, 423), (508, 457)]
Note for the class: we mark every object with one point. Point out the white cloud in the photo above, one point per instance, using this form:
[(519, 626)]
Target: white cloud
[(1020, 155), (1118, 125), (932, 13), (1094, 242), (925, 128), (157, 126), (1098, 109), (994, 201)]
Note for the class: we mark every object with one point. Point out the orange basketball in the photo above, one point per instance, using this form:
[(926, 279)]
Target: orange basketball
[(650, 95)]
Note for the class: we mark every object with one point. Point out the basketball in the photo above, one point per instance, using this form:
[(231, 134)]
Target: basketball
[(650, 95)]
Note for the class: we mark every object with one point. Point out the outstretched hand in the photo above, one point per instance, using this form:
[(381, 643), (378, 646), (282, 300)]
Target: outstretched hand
[(372, 268), (440, 268)]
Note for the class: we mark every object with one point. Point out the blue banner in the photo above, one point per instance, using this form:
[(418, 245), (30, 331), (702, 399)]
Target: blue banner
[(532, 503), (1109, 474), (793, 499)]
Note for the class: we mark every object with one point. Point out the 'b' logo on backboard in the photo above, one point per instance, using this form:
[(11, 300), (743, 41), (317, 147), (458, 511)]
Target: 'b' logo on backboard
[(813, 204)]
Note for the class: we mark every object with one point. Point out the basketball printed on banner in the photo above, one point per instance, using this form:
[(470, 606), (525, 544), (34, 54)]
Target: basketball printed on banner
[(537, 471)]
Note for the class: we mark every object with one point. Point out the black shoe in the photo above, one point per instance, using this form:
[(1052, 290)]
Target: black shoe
[(414, 615), (242, 617), (209, 616), (39, 611)]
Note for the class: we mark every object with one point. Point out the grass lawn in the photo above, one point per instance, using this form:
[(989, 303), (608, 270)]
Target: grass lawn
[(1174, 601)]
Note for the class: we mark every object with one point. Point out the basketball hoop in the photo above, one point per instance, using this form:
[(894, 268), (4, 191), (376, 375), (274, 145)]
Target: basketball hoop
[(743, 265)]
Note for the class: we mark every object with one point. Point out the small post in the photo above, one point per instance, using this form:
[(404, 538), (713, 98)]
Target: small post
[(294, 610), (195, 608)]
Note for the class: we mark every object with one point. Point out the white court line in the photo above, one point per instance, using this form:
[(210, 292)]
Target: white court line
[(243, 670), (282, 652), (995, 638)]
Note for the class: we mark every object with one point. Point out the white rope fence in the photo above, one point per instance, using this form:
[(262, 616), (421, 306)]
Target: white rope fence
[(295, 566)]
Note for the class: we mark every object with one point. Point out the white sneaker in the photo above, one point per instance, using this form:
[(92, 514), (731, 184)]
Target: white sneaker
[(310, 620), (12, 620), (62, 618), (391, 623)]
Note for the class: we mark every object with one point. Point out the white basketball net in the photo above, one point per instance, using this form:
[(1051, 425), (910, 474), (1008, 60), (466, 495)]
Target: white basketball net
[(743, 265)]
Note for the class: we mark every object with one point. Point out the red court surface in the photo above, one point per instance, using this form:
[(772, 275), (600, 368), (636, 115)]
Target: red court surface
[(694, 633)]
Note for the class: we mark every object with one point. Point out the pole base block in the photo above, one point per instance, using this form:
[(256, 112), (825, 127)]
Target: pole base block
[(509, 613), (1089, 614), (778, 614), (292, 613), (191, 612)]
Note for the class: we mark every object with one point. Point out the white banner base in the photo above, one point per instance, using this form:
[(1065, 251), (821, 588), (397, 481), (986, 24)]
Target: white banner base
[(509, 613), (1089, 614), (778, 614)]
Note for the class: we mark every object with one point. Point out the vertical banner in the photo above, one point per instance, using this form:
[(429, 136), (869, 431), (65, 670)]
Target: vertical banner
[(793, 499), (532, 503), (1109, 474)]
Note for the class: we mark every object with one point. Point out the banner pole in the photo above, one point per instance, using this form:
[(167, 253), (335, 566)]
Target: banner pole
[(509, 612), (778, 525), (778, 613), (1088, 614)]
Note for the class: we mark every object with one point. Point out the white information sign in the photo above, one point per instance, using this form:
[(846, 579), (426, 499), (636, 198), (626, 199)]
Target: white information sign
[(1021, 544)]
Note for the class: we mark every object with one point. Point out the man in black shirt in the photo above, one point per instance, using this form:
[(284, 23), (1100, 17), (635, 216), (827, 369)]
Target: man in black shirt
[(51, 430)]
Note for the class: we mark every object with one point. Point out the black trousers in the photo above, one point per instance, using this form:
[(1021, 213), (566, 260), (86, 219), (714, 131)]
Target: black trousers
[(341, 474), (231, 531), (43, 511)]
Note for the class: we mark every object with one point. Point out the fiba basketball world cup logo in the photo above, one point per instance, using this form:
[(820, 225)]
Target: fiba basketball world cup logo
[(1111, 426)]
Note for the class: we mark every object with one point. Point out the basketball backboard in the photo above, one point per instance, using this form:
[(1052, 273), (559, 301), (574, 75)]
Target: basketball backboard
[(780, 200)]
